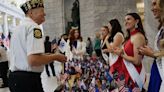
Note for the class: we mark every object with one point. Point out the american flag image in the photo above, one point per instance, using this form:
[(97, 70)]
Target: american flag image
[(136, 89), (6, 40), (123, 89), (120, 82)]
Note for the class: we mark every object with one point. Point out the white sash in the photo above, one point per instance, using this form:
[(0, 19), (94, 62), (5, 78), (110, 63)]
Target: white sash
[(159, 61), (136, 77), (105, 56), (113, 58), (160, 66)]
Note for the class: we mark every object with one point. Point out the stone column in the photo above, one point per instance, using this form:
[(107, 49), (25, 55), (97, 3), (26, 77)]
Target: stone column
[(54, 25), (96, 13), (6, 30)]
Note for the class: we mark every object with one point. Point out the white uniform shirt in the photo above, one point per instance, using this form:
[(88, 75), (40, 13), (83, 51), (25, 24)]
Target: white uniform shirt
[(24, 43)]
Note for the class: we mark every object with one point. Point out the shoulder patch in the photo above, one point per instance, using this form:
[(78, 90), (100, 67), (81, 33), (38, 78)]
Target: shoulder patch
[(37, 33)]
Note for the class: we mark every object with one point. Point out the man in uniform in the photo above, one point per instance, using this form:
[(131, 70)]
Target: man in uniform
[(27, 58)]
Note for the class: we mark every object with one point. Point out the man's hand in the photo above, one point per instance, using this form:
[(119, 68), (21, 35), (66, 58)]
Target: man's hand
[(61, 58)]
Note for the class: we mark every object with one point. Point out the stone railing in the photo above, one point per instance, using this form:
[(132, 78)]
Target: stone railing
[(10, 9)]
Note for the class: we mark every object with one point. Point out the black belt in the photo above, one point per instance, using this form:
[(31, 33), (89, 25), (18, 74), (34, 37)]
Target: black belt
[(25, 73)]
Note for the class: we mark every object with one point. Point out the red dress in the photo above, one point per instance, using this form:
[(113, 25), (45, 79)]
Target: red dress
[(119, 70)]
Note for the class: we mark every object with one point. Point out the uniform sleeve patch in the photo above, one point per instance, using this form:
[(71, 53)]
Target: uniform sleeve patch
[(37, 33)]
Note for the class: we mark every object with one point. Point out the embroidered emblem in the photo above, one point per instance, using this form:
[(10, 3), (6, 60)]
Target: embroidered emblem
[(37, 33)]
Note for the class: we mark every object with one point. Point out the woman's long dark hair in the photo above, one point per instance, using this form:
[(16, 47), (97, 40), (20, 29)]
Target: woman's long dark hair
[(139, 24), (116, 27), (72, 37)]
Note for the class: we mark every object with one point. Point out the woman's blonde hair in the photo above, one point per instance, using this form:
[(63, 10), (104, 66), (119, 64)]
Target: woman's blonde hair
[(161, 4)]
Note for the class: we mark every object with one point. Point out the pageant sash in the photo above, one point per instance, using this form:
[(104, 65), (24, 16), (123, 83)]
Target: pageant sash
[(112, 58), (105, 57), (136, 77), (160, 66)]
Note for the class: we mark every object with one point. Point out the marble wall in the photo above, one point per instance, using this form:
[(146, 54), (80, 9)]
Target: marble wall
[(93, 15), (97, 13), (54, 25)]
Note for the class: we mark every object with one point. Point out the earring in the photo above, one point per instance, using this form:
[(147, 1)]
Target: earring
[(136, 26)]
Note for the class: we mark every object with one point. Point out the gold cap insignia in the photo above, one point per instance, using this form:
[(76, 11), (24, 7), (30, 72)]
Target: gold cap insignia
[(31, 4)]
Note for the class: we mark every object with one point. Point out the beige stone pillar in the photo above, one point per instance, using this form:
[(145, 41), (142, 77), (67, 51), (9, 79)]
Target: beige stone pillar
[(54, 25), (5, 24), (96, 13)]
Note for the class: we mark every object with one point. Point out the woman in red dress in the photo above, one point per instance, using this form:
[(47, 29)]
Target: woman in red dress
[(128, 70)]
